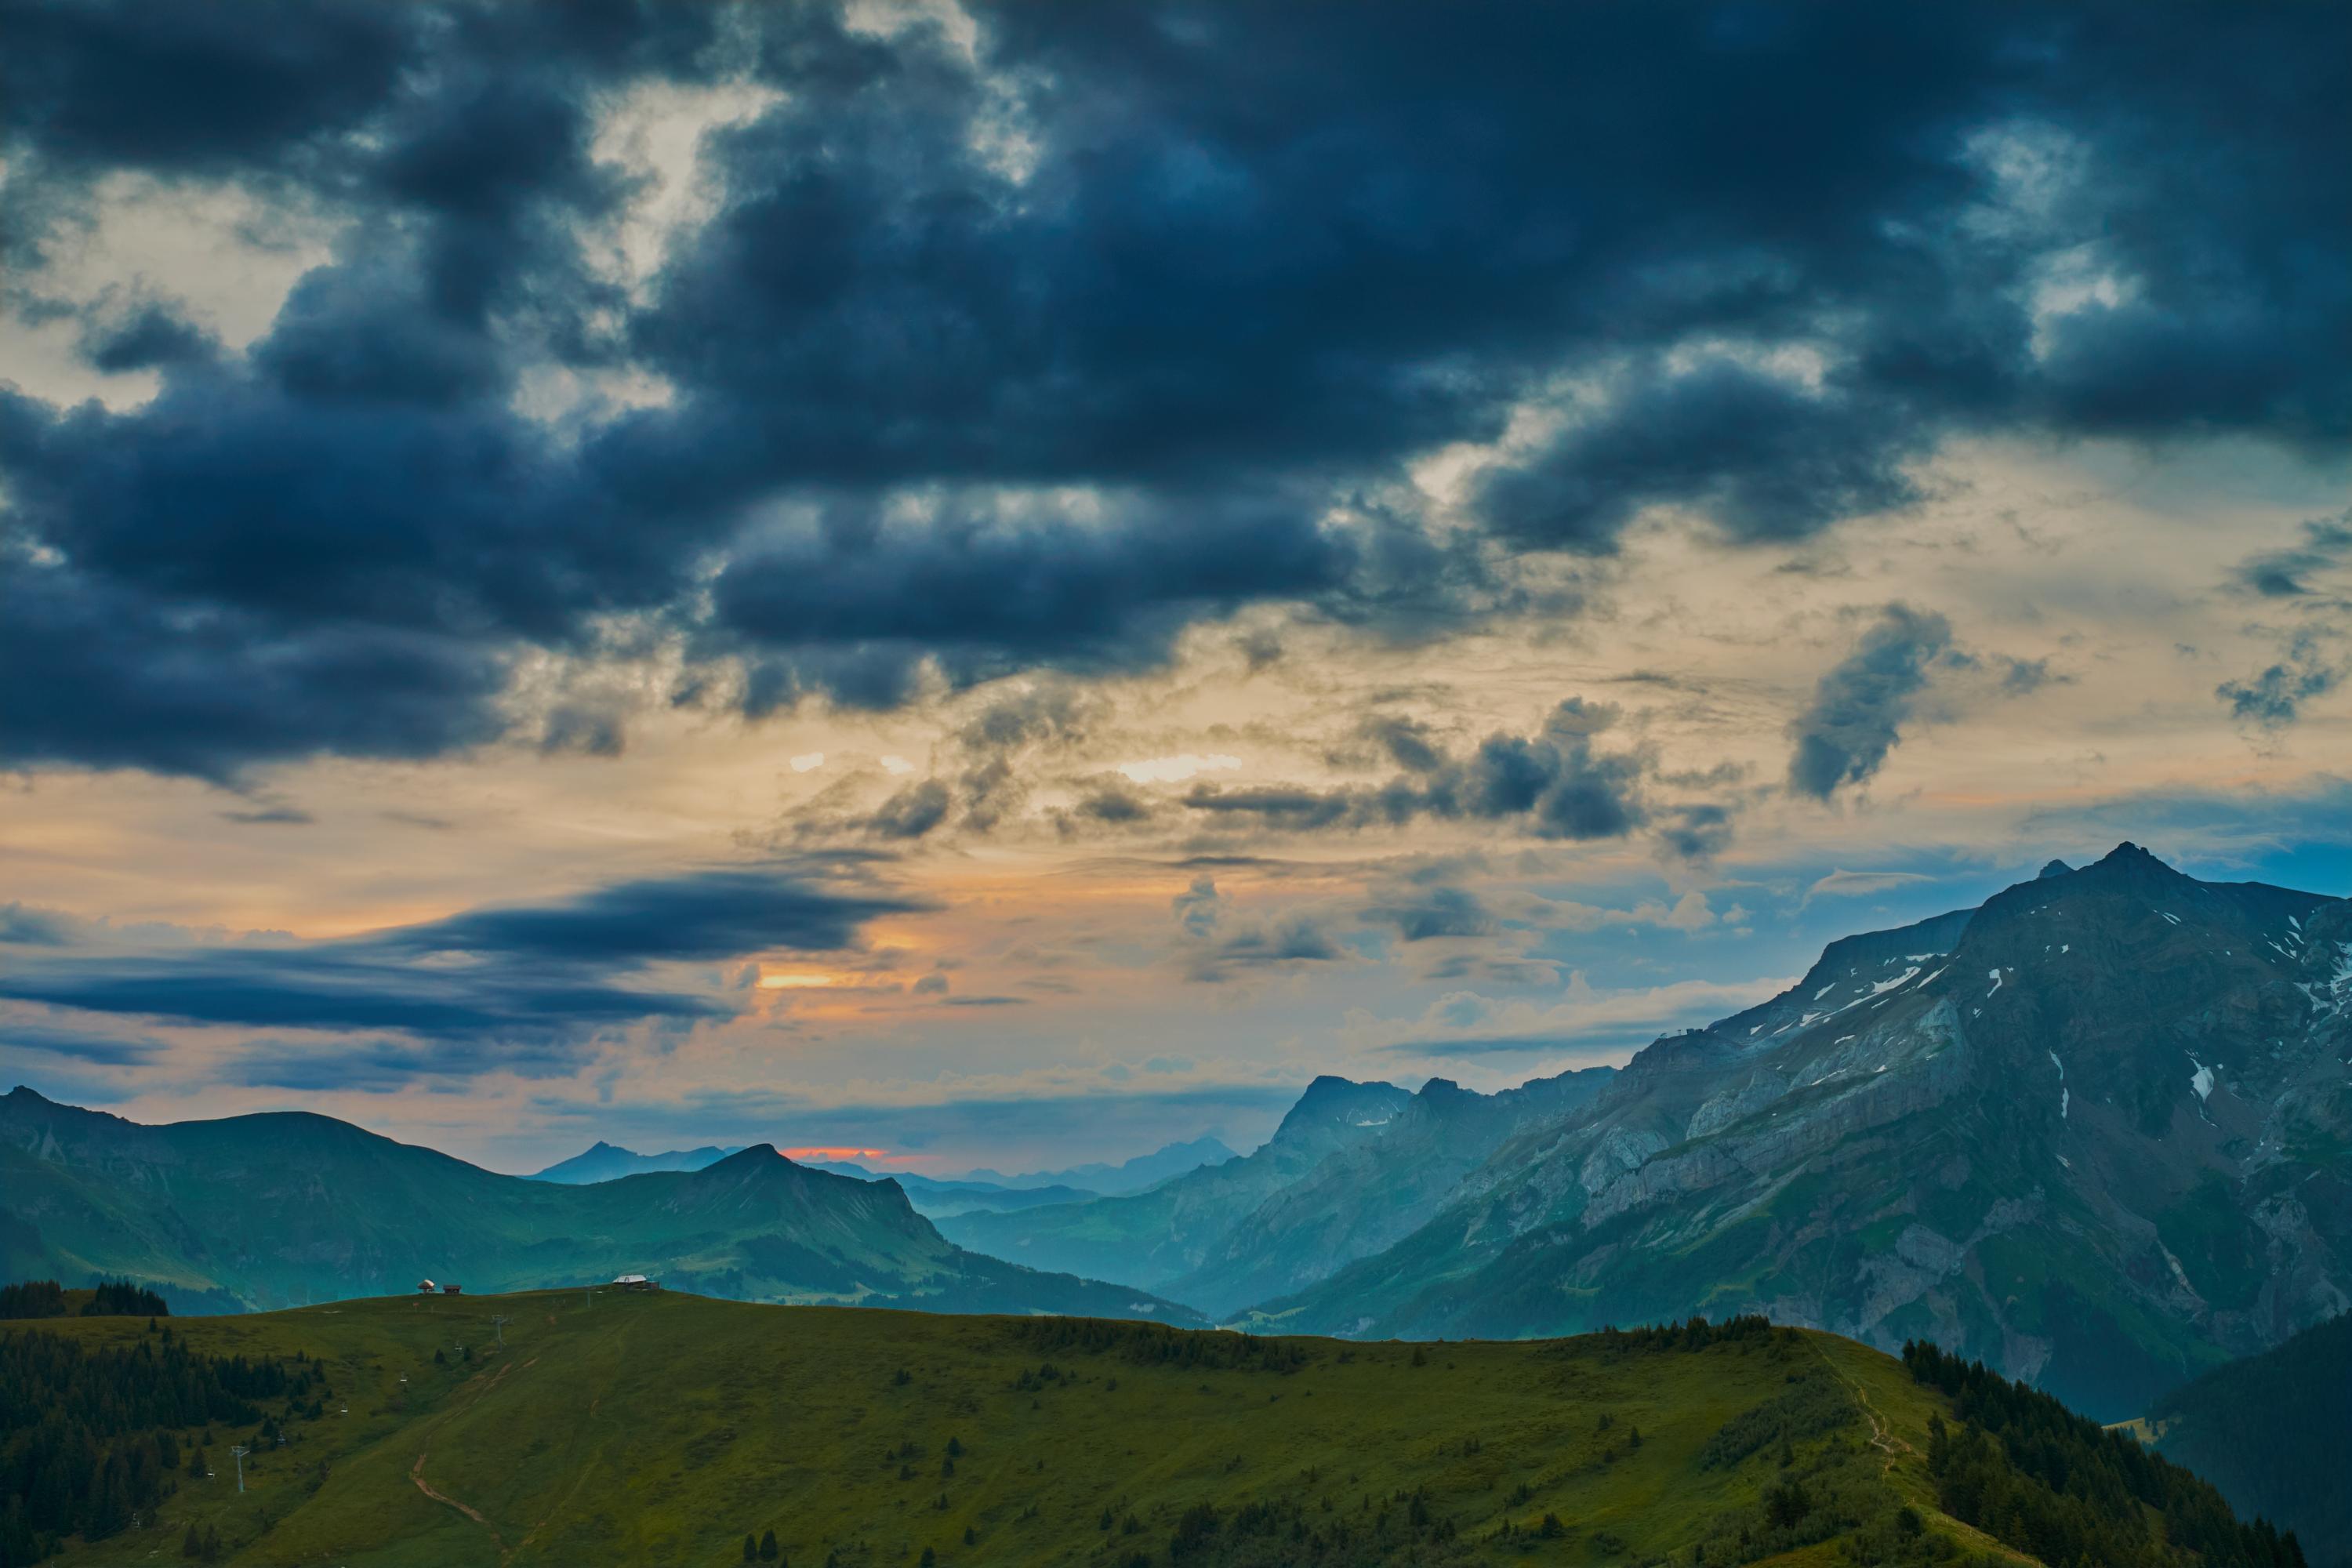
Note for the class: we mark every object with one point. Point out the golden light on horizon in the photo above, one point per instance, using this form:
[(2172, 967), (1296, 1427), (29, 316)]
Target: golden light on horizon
[(798, 980)]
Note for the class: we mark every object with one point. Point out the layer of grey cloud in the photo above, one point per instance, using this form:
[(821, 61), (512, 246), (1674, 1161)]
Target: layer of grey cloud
[(503, 985)]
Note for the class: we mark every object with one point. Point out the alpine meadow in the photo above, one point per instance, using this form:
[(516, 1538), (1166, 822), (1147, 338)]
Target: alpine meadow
[(906, 784)]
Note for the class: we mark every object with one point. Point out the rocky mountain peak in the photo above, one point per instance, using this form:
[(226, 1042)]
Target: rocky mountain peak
[(2130, 858), (1334, 1102), (752, 1157), (2055, 868)]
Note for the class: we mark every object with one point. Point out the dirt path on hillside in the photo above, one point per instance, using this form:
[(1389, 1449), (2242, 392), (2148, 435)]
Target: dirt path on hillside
[(1881, 1437), (417, 1474)]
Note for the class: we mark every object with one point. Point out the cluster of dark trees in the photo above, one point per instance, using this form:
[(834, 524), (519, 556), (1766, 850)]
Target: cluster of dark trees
[(1806, 1408), (1697, 1335), (110, 1299), (2274, 1432), (90, 1437), (1287, 1531), (2034, 1475), (1156, 1344)]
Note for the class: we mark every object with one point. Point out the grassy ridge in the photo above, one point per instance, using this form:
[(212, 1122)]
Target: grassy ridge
[(664, 1428)]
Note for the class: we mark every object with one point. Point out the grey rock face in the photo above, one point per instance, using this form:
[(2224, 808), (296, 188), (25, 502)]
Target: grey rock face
[(2098, 1131)]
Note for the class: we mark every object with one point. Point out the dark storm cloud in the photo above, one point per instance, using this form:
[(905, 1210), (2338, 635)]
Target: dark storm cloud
[(2023, 676), (2287, 573), (491, 984), (987, 597), (382, 1066), (1106, 807), (2272, 697), (1552, 784), (197, 89), (1027, 717), (149, 336), (115, 678), (1421, 914), (1407, 742), (701, 915), (1761, 458), (32, 927), (1697, 833), (1058, 403), (1859, 708), (1218, 939), (988, 787), (270, 816), (74, 1045), (913, 811)]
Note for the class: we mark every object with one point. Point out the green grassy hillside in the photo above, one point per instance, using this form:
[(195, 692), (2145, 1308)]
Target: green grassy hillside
[(665, 1428)]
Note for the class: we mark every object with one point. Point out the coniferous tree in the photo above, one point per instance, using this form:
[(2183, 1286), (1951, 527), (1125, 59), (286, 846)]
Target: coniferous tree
[(33, 1298), (120, 1407), (1787, 1502), (768, 1547), (751, 1550)]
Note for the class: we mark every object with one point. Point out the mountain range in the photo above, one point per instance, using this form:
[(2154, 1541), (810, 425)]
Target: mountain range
[(603, 1161), (936, 1199), (289, 1208), (2097, 1131), (1127, 1176), (1353, 1168), (933, 1197)]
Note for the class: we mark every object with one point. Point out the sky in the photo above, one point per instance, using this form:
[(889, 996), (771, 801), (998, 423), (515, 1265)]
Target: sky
[(1006, 586)]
